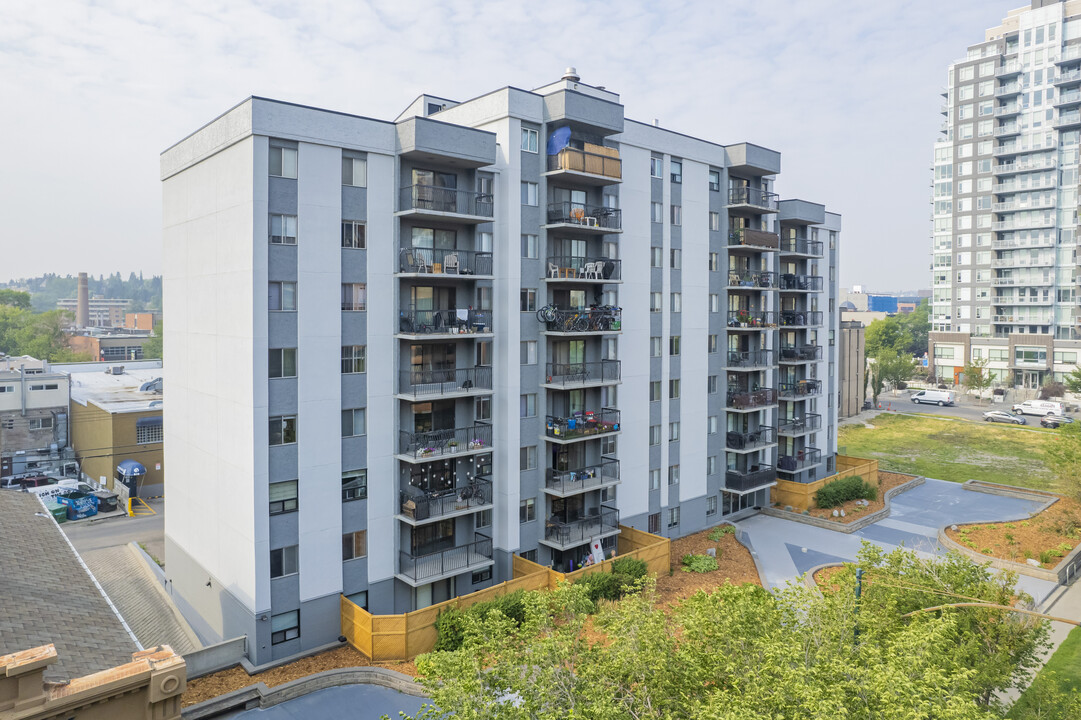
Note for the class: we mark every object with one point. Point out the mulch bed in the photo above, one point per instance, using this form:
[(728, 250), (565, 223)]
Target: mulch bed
[(734, 565), (1052, 533), (886, 482)]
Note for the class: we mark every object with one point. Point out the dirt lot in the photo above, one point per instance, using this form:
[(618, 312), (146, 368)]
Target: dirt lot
[(886, 481), (1047, 537), (733, 560)]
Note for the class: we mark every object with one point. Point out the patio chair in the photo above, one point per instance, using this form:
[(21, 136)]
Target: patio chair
[(553, 270), (450, 264), (591, 271)]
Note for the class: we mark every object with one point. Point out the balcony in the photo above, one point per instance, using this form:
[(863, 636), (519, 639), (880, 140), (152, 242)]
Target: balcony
[(801, 318), (749, 359), (574, 482), (751, 319), (797, 426), (757, 240), (1020, 243), (423, 446), (1073, 97), (578, 218), (743, 400), (419, 507), (1043, 162), (451, 382), (1009, 148), (1031, 183), (1067, 78), (422, 569), (570, 376), (752, 200), (440, 261), (606, 319), (751, 280), (1012, 262), (754, 440), (1015, 205), (567, 535), (422, 324), (803, 459), (1008, 90), (427, 202), (1068, 120), (800, 389), (596, 166), (1069, 54), (1007, 110), (584, 425), (1029, 223), (801, 246), (800, 283), (571, 268), (1008, 68), (745, 481), (1008, 130), (1022, 300), (791, 354), (1022, 282), (1023, 319)]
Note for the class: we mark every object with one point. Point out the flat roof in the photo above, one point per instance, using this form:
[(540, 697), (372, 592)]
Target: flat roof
[(117, 393)]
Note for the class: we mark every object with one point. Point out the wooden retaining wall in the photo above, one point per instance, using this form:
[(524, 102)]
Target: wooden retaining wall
[(801, 495)]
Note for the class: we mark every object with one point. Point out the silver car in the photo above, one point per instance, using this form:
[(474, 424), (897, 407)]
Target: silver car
[(1001, 416)]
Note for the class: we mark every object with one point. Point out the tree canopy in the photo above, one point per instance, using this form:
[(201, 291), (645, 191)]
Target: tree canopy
[(41, 335), (906, 334), (152, 348), (145, 293)]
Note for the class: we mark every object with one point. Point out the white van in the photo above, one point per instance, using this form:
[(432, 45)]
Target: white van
[(933, 397), (1039, 407)]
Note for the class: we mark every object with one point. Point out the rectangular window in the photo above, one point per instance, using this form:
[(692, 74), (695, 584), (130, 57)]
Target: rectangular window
[(673, 517), (354, 545), (677, 215), (284, 627), (673, 345), (711, 384), (655, 347), (714, 302), (677, 171), (715, 180), (673, 388), (656, 257), (711, 465), (359, 599), (283, 229), (283, 362), (714, 221), (675, 258), (529, 352), (528, 458), (527, 510), (144, 435), (654, 302), (529, 140), (529, 300), (354, 485), (655, 479), (283, 497), (714, 261), (677, 302), (283, 429), (354, 172), (530, 555), (656, 167), (354, 359), (529, 193), (484, 519), (654, 523), (711, 505), (354, 297), (654, 434), (673, 474), (711, 423), (529, 246), (354, 422), (673, 432), (283, 162), (486, 574), (528, 405), (654, 390), (353, 235), (284, 561), (482, 408), (656, 212), (283, 297)]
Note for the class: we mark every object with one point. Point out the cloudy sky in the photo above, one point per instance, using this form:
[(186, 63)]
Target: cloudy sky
[(92, 91)]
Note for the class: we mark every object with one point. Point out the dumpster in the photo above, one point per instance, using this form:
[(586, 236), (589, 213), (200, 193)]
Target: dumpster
[(58, 511), (107, 501), (79, 504)]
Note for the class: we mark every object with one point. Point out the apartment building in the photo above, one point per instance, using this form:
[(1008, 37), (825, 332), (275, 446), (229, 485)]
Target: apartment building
[(503, 326), (34, 438), (1004, 265)]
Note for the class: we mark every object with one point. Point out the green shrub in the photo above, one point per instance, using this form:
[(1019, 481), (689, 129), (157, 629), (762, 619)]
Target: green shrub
[(841, 491), (699, 563), (720, 531), (633, 568), (604, 586), (451, 623), (1046, 557)]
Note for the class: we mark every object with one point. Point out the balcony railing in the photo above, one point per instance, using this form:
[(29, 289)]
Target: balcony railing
[(749, 359), (582, 161), (588, 216), (577, 532), (1037, 163), (583, 373), (801, 246), (749, 400), (747, 480), (1021, 300), (1013, 205), (583, 424), (1023, 319), (446, 562), (800, 425), (1008, 68), (443, 261), (754, 197), (800, 389), (752, 440), (420, 506), (1008, 89), (570, 267), (424, 383), (808, 283), (1012, 243), (438, 443), (1037, 182), (757, 239), (446, 200), (588, 320), (444, 322), (1007, 130), (1007, 110), (1022, 262), (569, 482), (752, 279), (1068, 98), (1016, 281), (801, 353), (802, 460), (1067, 77), (800, 318), (751, 318)]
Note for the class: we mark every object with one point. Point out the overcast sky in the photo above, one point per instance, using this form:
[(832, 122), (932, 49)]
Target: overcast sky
[(92, 92)]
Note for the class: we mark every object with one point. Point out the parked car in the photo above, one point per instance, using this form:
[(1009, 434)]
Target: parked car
[(1002, 416), (1039, 407), (29, 482), (933, 397), (1053, 421)]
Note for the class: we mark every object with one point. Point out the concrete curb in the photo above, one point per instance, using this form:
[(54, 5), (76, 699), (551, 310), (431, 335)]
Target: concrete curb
[(855, 525), (745, 540), (808, 577), (260, 696)]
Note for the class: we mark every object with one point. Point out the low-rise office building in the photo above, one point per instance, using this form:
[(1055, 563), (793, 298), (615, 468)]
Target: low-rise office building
[(33, 420)]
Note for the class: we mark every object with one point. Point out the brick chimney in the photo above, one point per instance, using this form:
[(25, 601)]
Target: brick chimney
[(82, 309)]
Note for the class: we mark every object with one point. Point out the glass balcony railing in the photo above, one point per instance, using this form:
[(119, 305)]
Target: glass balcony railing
[(420, 506), (582, 425), (440, 261), (751, 440), (754, 477), (451, 201), (451, 561), (433, 383), (567, 534), (570, 482), (441, 443), (584, 373)]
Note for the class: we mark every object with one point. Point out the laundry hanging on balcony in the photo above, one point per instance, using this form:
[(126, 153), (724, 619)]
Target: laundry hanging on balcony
[(559, 139)]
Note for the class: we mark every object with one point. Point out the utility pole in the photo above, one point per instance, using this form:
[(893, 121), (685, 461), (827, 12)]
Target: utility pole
[(859, 594)]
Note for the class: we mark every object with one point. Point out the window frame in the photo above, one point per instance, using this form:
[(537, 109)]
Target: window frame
[(353, 422), (354, 226), (357, 537), (282, 153), (360, 490), (530, 141), (284, 507), (284, 634), (287, 428), (281, 353), (353, 359), (288, 552)]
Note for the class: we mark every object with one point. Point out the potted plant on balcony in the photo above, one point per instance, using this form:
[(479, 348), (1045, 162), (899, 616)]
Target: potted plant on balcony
[(425, 452), (743, 317), (453, 445), (476, 444)]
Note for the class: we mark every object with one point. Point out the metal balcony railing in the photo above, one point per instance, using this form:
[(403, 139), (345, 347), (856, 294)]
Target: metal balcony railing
[(585, 424), (568, 482), (749, 358), (582, 161), (589, 216), (444, 322), (437, 443), (606, 318), (751, 318), (802, 460), (800, 353), (799, 389), (446, 562), (570, 267), (800, 425), (576, 532), (759, 438), (446, 200), (757, 239), (419, 505), (423, 383), (809, 283), (443, 261), (582, 373), (751, 399), (800, 318), (747, 480), (801, 246), (752, 279), (753, 197)]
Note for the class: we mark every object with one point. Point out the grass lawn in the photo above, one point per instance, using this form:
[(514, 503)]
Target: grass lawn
[(952, 450), (1065, 663)]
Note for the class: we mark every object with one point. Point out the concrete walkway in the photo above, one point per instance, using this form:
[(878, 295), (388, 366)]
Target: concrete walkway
[(359, 702)]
